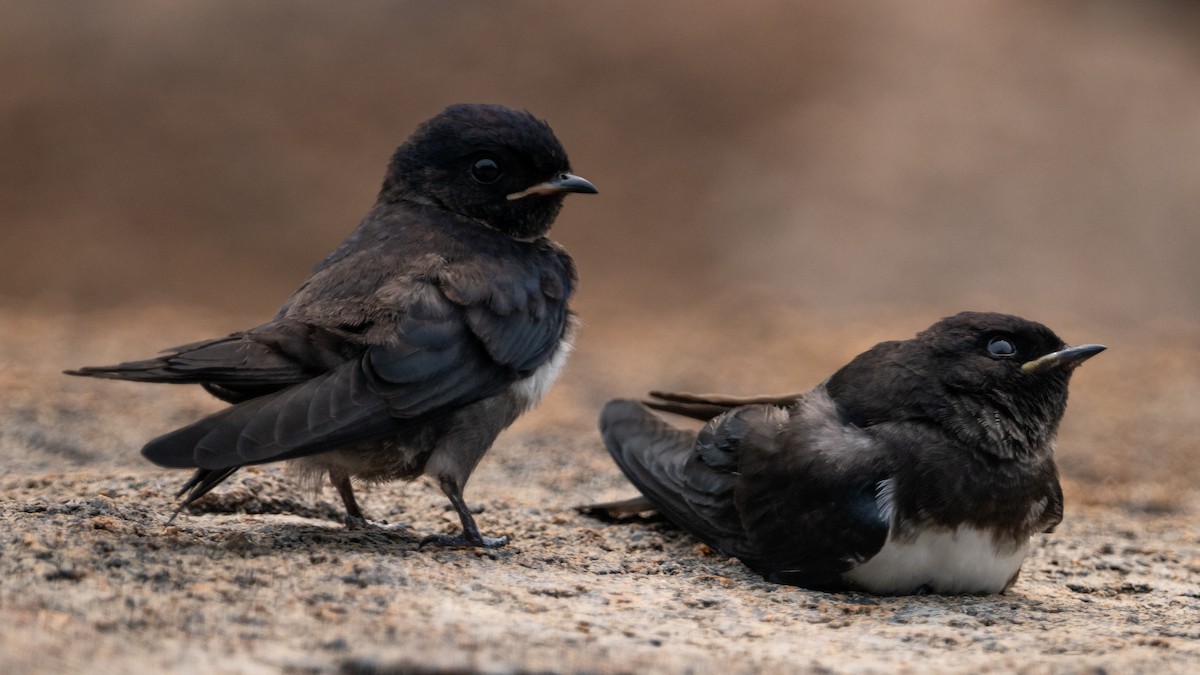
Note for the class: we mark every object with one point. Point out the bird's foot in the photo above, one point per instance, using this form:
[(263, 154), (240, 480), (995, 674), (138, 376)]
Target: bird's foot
[(470, 537), (464, 540), (357, 522)]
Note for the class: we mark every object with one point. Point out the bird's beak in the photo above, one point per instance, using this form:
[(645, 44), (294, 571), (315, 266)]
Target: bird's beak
[(1064, 358), (565, 182)]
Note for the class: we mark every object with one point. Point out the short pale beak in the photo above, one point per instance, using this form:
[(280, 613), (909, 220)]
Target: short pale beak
[(566, 182), (1064, 358)]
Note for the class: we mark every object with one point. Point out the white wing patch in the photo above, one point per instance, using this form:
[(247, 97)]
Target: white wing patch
[(962, 560), (885, 493)]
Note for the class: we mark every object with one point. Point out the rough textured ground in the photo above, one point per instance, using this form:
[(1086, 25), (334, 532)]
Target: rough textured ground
[(262, 578)]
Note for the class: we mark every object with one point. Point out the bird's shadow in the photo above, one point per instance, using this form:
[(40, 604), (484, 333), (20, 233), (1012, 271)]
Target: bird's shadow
[(272, 535)]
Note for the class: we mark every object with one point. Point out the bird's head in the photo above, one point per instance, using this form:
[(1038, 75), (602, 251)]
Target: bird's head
[(1005, 378), (996, 382), (498, 166)]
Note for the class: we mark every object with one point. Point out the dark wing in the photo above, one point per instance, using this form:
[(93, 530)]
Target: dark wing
[(775, 486), (689, 477), (707, 406), (238, 368), (810, 500), (453, 344), (518, 318), (243, 365)]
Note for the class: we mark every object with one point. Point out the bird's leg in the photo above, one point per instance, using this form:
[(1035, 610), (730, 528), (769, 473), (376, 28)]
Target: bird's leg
[(470, 535), (354, 517)]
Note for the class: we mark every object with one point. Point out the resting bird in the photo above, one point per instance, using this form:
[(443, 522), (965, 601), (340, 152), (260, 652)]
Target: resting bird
[(430, 329), (922, 466)]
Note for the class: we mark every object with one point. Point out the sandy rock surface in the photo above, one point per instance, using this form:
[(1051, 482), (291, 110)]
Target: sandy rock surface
[(262, 576)]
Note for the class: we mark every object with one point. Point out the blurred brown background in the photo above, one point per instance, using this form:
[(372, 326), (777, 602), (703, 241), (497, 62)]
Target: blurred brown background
[(1039, 158), (782, 183)]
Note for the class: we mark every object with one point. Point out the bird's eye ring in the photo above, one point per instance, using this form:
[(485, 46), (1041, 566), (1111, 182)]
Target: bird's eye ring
[(1001, 347), (486, 170)]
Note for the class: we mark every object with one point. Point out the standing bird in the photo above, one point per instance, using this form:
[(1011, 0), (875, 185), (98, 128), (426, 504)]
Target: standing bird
[(923, 465), (430, 329)]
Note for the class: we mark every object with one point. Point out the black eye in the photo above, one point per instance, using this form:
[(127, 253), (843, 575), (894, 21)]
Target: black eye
[(486, 170), (999, 346)]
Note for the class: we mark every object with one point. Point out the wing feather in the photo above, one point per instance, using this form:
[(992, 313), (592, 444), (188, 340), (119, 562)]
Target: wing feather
[(440, 356)]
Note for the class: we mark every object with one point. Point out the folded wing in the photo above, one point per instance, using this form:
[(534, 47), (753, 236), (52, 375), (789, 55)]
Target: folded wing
[(439, 356), (772, 482)]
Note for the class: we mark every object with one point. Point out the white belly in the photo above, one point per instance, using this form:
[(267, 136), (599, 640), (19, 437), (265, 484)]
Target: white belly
[(963, 560), (531, 389)]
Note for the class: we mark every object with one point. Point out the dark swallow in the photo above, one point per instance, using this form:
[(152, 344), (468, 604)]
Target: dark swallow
[(923, 465), (430, 329)]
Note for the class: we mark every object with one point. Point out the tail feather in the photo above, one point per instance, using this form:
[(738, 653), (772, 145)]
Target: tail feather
[(149, 370), (192, 368), (226, 384), (707, 406), (623, 510), (275, 354), (201, 483)]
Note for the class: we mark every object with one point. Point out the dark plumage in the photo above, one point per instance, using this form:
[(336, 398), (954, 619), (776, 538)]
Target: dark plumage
[(433, 326), (923, 465)]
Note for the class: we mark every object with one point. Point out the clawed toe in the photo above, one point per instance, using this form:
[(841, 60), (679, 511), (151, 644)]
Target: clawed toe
[(356, 523)]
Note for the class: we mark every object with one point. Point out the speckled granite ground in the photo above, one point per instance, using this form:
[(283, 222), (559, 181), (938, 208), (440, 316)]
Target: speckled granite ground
[(264, 579)]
